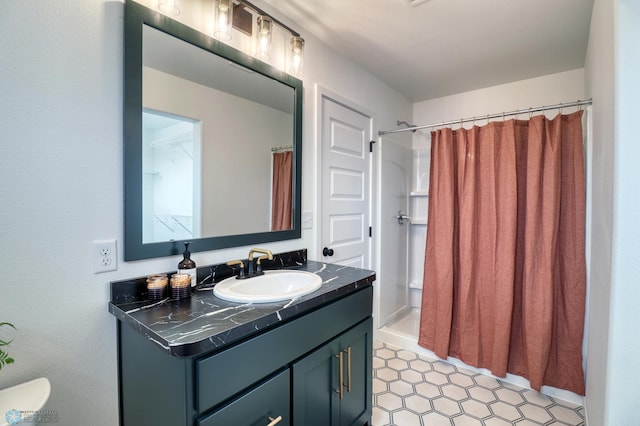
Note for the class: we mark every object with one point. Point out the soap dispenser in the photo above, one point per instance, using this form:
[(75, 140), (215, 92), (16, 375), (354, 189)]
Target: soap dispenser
[(188, 266)]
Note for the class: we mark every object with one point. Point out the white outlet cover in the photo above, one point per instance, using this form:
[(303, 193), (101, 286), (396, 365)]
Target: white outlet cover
[(105, 256), (307, 220)]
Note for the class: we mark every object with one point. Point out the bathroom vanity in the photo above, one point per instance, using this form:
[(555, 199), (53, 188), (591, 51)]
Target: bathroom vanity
[(205, 361)]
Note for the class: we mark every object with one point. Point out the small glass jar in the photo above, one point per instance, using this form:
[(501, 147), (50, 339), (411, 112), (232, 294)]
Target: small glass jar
[(157, 286), (180, 286)]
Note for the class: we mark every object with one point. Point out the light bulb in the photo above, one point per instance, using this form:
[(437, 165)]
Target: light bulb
[(169, 7), (223, 19), (263, 35), (297, 58)]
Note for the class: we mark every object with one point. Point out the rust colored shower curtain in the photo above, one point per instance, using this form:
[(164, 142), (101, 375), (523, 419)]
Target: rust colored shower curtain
[(505, 274), (281, 191)]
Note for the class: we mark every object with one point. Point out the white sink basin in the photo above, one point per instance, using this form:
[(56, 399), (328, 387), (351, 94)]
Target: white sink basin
[(23, 399), (273, 286)]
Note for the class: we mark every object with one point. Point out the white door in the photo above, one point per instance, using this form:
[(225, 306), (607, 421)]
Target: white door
[(345, 137), (394, 183)]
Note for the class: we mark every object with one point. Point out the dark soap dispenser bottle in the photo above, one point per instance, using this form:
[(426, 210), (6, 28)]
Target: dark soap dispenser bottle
[(188, 266)]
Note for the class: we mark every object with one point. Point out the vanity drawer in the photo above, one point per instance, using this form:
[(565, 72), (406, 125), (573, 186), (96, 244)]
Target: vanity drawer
[(260, 406), (228, 372)]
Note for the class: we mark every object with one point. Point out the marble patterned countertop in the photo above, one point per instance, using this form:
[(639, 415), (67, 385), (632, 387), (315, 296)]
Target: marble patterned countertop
[(204, 322)]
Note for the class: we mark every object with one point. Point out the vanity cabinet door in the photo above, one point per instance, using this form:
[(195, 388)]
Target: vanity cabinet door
[(265, 404), (315, 382), (324, 393), (357, 350)]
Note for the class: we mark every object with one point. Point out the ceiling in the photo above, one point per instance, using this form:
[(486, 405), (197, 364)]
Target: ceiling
[(433, 48)]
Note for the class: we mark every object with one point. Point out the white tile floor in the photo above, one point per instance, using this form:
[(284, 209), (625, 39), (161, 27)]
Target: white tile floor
[(411, 389)]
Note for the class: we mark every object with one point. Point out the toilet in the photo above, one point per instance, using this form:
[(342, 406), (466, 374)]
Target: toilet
[(22, 403)]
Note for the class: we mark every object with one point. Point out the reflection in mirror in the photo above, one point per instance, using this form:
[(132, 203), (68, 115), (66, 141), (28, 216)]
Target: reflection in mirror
[(235, 162), (217, 154), (170, 177)]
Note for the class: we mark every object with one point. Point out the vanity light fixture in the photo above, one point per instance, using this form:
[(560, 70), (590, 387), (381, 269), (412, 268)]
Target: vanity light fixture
[(265, 26), (223, 19), (263, 37), (297, 55), (223, 24), (169, 7)]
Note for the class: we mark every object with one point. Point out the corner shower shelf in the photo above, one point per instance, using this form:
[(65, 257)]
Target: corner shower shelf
[(418, 194)]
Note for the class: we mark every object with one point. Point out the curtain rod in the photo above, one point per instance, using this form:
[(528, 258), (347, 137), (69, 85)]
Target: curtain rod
[(489, 116), (282, 148)]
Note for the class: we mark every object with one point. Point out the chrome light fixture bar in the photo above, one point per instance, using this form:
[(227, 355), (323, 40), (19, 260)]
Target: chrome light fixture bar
[(264, 32), (261, 12), (223, 24)]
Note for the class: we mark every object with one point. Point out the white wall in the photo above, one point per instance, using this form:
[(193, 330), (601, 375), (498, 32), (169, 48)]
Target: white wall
[(624, 367), (599, 82), (547, 90), (61, 188), (612, 66)]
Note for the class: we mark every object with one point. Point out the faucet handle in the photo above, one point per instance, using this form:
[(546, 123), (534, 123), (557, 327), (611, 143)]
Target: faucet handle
[(259, 264), (261, 258), (237, 262), (267, 253)]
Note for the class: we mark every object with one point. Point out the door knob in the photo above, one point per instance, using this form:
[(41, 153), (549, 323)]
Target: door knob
[(327, 251)]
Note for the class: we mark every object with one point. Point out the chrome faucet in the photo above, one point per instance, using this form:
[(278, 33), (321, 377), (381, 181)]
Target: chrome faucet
[(266, 255)]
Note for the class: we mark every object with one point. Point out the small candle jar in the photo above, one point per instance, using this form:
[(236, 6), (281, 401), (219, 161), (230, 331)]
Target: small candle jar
[(180, 286), (157, 286)]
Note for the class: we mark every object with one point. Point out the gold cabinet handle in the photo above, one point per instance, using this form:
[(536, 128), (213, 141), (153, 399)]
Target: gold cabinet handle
[(339, 390), (274, 421), (348, 351)]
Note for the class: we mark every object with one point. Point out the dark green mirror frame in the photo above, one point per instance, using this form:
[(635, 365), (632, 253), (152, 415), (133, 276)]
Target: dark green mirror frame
[(136, 17)]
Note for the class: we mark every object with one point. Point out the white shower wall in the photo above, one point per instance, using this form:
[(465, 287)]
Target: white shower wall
[(394, 184), (418, 209)]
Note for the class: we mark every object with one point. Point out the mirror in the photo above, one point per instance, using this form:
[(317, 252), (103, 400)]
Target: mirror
[(212, 142)]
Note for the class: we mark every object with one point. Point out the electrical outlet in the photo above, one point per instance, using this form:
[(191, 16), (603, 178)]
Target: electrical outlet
[(104, 256)]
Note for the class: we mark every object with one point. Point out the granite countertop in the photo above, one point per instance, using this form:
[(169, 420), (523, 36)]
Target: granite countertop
[(205, 322)]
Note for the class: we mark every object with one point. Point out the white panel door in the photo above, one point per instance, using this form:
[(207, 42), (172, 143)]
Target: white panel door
[(345, 137)]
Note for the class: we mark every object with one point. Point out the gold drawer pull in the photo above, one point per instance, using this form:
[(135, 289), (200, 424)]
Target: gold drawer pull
[(339, 390), (348, 351), (274, 421)]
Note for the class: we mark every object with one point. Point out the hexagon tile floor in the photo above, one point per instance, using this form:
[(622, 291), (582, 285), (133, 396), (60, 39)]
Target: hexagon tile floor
[(410, 389)]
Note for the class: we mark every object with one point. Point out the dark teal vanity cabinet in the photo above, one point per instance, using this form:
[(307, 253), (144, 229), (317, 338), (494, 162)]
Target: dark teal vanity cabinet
[(306, 363)]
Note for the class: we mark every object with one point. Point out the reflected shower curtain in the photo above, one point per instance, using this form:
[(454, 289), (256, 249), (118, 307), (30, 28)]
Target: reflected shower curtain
[(505, 274), (281, 191)]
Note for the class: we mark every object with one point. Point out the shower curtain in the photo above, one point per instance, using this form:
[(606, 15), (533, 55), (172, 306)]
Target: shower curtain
[(505, 274), (281, 191)]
